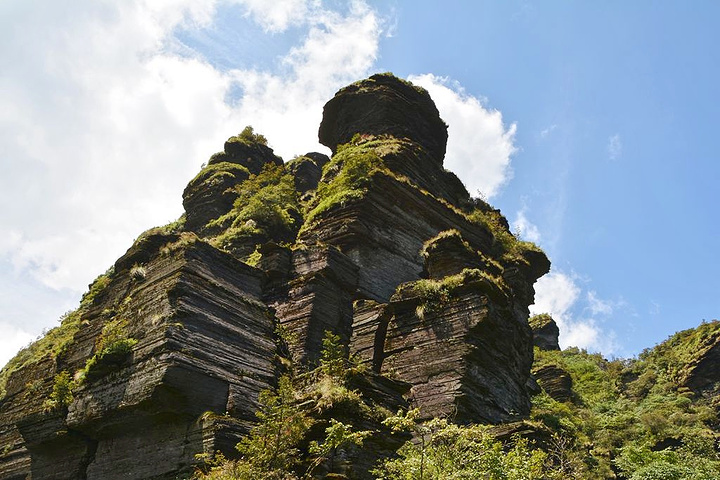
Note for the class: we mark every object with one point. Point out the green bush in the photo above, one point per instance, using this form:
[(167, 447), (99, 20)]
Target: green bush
[(266, 204), (249, 137), (272, 444), (62, 392), (447, 451), (623, 410)]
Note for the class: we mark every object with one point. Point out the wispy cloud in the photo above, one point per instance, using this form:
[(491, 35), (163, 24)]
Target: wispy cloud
[(286, 104), (614, 147), (597, 305), (560, 295), (480, 144), (548, 131)]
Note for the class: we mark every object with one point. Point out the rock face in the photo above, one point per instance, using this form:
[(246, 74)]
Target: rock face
[(379, 244)]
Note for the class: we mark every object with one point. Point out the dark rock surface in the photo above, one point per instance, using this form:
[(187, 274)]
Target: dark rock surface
[(545, 332), (384, 104), (400, 264), (307, 170), (555, 381), (205, 344), (251, 155)]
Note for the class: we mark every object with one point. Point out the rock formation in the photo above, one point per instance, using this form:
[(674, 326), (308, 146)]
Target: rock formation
[(545, 332), (167, 354)]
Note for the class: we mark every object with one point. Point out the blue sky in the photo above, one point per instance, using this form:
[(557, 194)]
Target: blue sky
[(590, 124)]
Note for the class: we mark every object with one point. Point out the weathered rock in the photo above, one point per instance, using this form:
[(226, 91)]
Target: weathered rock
[(307, 170), (467, 358), (545, 332), (384, 104), (210, 194), (252, 155), (539, 436), (384, 232), (448, 254), (555, 381), (319, 300), (204, 344)]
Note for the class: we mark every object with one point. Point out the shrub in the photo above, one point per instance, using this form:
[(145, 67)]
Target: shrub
[(249, 137), (447, 451), (62, 392), (272, 443), (266, 203)]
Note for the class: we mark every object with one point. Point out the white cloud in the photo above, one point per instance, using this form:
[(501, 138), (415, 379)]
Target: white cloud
[(614, 147), (555, 293), (105, 117), (598, 306), (548, 131), (277, 15), (558, 294), (524, 228), (287, 107), (479, 144)]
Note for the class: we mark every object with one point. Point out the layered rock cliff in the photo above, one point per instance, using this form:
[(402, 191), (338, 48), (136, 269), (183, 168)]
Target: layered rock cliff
[(378, 244)]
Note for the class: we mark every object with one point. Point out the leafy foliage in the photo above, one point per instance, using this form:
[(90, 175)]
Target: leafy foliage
[(625, 415), (266, 204), (449, 451), (249, 137), (62, 392), (272, 445)]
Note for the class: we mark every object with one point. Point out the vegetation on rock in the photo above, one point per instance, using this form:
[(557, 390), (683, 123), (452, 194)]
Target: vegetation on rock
[(266, 206), (249, 137), (630, 419), (54, 342)]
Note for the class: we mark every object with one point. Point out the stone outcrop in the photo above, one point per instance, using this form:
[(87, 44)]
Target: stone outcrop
[(379, 245), (384, 104), (555, 381), (545, 332)]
